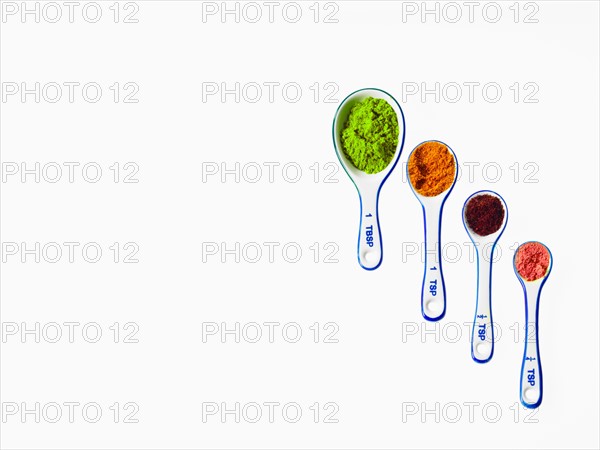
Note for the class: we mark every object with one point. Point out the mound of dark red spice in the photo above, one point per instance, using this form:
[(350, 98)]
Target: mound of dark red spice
[(484, 214)]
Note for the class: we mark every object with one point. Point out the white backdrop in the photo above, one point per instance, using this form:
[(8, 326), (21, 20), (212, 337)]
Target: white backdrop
[(171, 176)]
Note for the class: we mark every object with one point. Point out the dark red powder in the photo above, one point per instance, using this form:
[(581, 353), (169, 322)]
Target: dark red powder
[(484, 214)]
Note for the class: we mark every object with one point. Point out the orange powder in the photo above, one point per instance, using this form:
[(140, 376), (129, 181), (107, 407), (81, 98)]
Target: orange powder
[(431, 168)]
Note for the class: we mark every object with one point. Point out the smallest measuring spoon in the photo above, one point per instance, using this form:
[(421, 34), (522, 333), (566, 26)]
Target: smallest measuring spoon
[(432, 170), (532, 263)]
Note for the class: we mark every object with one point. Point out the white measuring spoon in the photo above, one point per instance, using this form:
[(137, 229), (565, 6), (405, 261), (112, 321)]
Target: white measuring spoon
[(433, 291), (482, 337), (370, 251), (531, 386)]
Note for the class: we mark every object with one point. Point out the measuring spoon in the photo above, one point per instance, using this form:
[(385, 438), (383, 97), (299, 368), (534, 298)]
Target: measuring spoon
[(433, 291), (370, 251), (482, 337), (531, 368)]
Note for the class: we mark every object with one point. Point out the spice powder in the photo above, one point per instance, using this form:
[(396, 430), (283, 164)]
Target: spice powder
[(431, 168), (484, 214), (532, 261), (370, 135)]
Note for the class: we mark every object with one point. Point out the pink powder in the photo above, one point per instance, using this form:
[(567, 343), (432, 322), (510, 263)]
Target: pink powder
[(532, 261)]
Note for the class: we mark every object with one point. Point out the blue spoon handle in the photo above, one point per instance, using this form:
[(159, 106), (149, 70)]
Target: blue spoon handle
[(433, 292), (370, 252), (482, 339), (531, 368)]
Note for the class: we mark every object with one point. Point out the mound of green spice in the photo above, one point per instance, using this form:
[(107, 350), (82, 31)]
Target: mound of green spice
[(370, 135)]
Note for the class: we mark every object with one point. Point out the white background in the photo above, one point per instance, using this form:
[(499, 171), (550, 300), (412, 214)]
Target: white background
[(378, 370)]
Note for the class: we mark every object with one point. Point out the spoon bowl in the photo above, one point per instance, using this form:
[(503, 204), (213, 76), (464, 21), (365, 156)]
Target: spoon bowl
[(370, 250)]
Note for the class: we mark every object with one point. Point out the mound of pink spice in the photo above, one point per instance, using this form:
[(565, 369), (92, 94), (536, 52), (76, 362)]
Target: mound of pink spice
[(532, 261)]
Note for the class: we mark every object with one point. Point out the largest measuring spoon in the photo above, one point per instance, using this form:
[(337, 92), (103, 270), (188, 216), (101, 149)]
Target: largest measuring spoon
[(370, 250)]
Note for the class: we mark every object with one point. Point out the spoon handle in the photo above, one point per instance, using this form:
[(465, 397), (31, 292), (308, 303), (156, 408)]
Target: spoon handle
[(370, 252), (433, 291), (531, 369), (482, 339)]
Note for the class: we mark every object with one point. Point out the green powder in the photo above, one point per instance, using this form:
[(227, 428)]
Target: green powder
[(370, 135)]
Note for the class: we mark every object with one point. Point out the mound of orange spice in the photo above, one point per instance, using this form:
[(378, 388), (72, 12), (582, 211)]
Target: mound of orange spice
[(431, 168)]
